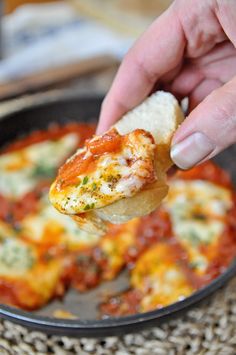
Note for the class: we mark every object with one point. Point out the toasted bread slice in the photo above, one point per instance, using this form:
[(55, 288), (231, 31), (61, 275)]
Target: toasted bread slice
[(160, 114), (146, 133)]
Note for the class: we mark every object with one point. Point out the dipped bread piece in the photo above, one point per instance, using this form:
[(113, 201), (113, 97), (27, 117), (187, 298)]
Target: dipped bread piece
[(121, 174)]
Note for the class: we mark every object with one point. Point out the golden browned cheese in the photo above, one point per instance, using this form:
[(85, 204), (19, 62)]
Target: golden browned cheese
[(170, 253), (159, 277), (109, 168)]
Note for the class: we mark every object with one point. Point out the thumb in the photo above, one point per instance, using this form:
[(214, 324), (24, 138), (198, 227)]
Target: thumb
[(210, 128)]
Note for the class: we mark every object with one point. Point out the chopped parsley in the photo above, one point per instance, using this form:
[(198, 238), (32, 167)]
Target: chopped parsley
[(194, 238), (89, 207), (16, 255), (85, 180), (94, 186), (195, 264)]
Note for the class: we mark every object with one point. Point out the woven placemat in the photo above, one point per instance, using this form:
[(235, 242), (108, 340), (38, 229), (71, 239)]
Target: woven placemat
[(208, 329)]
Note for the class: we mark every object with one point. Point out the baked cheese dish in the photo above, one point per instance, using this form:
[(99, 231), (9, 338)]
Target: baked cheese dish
[(169, 254)]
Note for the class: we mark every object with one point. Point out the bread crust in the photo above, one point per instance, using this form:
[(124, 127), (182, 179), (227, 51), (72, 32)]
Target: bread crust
[(160, 115), (146, 201)]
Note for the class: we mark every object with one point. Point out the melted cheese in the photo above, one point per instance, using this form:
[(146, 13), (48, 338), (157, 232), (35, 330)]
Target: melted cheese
[(115, 244), (29, 280), (197, 209), (48, 226), (115, 175), (15, 257), (160, 279), (20, 171)]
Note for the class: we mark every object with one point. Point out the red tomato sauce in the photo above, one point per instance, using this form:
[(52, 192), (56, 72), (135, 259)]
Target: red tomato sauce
[(86, 269), (108, 143), (157, 227), (126, 303), (14, 211), (17, 293), (207, 171), (85, 164), (54, 132)]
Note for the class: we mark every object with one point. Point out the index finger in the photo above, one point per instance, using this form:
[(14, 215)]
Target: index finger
[(158, 51)]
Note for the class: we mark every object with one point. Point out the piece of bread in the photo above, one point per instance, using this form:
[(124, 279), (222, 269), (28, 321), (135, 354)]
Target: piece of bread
[(160, 115)]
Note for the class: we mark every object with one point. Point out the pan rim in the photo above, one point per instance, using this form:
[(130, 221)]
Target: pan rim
[(20, 315)]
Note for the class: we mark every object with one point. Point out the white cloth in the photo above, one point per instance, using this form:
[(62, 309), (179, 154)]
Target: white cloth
[(37, 37)]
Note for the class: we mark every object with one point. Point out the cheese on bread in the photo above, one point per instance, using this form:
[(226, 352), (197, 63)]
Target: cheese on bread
[(122, 174)]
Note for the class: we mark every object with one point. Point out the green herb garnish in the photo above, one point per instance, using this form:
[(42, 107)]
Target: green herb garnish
[(16, 255), (89, 207), (194, 238), (85, 180), (94, 186), (195, 264)]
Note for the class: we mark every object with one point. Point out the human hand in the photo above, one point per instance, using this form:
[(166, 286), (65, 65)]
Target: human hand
[(189, 50)]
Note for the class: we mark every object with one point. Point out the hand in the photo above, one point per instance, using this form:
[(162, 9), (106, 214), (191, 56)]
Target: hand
[(189, 50)]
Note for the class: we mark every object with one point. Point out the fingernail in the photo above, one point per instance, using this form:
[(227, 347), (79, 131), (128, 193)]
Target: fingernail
[(191, 150)]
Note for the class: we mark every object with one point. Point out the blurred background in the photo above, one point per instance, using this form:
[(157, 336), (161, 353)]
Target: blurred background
[(68, 45)]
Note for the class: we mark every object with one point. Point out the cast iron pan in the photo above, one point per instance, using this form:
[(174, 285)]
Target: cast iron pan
[(63, 108)]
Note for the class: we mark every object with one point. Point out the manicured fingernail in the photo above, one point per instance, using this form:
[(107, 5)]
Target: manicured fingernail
[(191, 150)]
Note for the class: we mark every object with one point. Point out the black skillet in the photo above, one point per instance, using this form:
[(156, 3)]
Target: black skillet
[(37, 114)]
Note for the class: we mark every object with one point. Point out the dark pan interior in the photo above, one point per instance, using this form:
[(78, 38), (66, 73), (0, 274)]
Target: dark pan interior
[(63, 109), (41, 114)]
